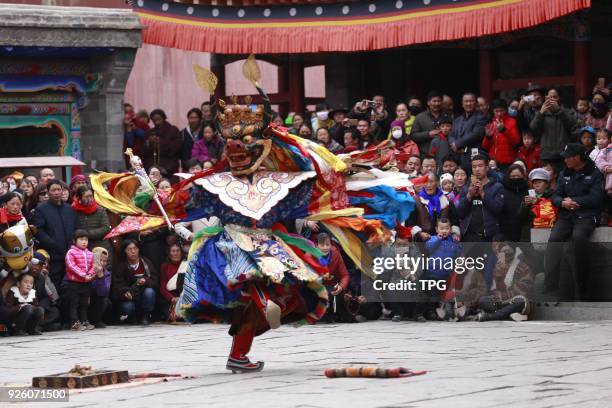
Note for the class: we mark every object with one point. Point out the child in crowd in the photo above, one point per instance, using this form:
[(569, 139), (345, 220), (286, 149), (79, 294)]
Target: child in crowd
[(79, 274), (193, 166), (603, 161), (440, 147), (446, 183), (336, 281), (100, 287), (24, 312), (441, 248), (583, 105), (587, 138), (207, 165), (602, 140), (530, 152), (538, 204)]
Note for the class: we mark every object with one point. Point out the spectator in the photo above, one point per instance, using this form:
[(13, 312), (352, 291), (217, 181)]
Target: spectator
[(10, 213), (515, 189), (501, 136), (538, 205), (583, 105), (133, 135), (100, 287), (163, 144), (207, 115), (142, 120), (446, 183), (599, 112), (439, 249), (156, 174), (401, 139), (337, 280), (403, 114), (277, 119), (22, 307), (46, 174), (448, 106), (579, 197), (440, 146), (134, 283), (39, 196), (425, 126), (367, 137), (321, 117), (483, 107), (209, 147), (324, 139), (415, 106), (336, 130), (92, 218), (481, 204), (65, 192), (431, 206), (459, 181), (413, 166), (513, 285), (530, 104), (587, 139), (305, 132), (530, 151), (298, 121), (56, 222), (352, 140), (554, 124), (513, 108), (602, 140), (46, 292), (33, 179), (28, 189), (468, 131), (167, 273), (191, 133), (79, 274), (429, 165), (80, 180), (604, 164), (449, 165)]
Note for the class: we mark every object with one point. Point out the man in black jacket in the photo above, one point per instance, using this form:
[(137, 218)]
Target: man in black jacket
[(468, 132), (579, 198), (56, 222)]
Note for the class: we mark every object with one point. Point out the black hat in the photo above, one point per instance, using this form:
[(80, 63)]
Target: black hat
[(573, 149), (535, 88), (445, 119), (338, 109), (499, 103)]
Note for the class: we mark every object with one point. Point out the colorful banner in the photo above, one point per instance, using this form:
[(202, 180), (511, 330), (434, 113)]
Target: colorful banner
[(350, 26)]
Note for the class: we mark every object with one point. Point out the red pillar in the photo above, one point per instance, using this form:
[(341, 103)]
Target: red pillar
[(486, 74), (296, 86), (582, 68)]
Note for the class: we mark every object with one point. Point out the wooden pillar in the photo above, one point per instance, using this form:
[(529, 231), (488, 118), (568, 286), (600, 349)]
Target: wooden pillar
[(486, 74), (582, 68), (296, 86), (217, 67)]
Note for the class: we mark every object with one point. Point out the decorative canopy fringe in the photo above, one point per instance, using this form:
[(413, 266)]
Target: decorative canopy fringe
[(418, 24)]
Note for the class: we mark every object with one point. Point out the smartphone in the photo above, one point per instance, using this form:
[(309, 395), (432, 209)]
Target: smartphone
[(601, 82), (532, 193), (371, 104), (529, 98), (474, 151)]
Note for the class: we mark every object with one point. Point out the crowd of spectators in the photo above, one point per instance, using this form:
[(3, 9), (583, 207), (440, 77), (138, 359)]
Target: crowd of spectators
[(485, 173)]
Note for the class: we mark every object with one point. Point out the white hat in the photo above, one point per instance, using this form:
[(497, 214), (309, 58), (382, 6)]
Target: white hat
[(446, 177), (539, 174)]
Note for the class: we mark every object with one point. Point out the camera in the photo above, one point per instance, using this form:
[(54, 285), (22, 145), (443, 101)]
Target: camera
[(529, 98)]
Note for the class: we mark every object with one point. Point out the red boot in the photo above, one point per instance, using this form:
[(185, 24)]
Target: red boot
[(238, 362)]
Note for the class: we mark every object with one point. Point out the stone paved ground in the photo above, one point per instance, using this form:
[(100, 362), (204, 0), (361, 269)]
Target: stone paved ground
[(495, 364)]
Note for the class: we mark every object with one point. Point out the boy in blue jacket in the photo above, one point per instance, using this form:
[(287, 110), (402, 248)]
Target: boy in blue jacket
[(442, 250)]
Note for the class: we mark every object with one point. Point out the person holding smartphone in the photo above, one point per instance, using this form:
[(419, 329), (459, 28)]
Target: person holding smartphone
[(554, 124)]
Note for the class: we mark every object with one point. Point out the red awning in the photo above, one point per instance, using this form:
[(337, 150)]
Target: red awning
[(349, 26)]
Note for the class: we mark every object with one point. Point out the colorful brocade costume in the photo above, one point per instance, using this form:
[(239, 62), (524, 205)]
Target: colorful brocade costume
[(250, 270)]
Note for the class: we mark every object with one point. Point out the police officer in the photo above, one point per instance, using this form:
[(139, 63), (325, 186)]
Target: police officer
[(579, 199)]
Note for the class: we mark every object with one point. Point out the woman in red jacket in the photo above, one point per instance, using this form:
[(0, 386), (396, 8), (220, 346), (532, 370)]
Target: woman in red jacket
[(502, 136), (167, 272)]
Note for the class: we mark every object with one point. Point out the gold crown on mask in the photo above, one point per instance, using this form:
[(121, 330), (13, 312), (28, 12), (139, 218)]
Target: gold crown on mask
[(235, 120)]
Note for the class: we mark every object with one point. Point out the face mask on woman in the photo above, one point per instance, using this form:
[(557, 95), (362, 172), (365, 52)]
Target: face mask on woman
[(599, 107), (323, 115), (512, 112), (396, 133)]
